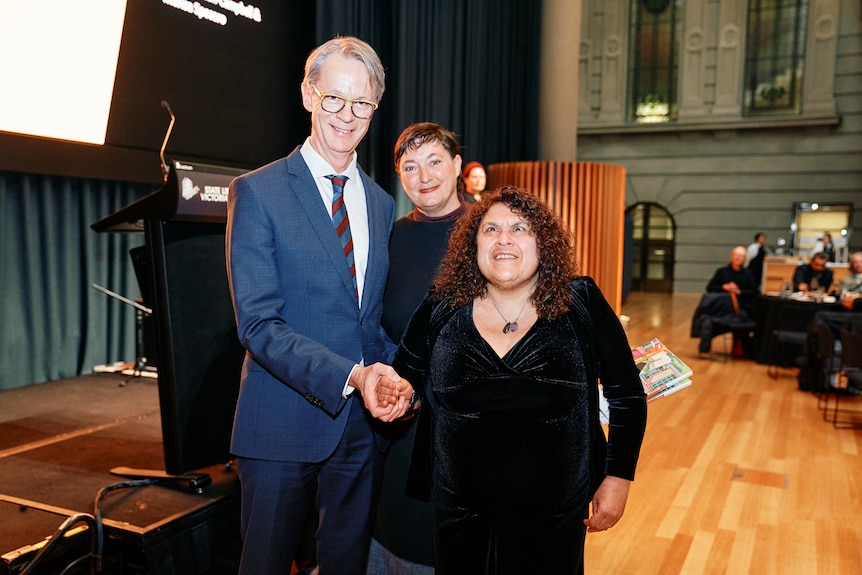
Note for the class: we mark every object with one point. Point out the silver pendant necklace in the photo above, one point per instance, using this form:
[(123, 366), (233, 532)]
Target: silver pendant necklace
[(511, 326)]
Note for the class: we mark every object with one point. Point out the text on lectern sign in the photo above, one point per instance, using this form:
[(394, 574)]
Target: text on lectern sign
[(202, 192)]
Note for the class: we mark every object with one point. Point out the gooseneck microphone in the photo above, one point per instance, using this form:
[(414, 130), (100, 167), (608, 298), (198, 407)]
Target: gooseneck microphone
[(167, 107)]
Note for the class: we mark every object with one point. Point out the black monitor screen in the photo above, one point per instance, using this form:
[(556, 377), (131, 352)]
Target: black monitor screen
[(90, 79)]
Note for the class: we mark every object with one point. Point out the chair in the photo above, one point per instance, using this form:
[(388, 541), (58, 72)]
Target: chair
[(717, 314), (741, 326), (851, 374), (782, 344), (828, 364), (741, 329), (834, 368)]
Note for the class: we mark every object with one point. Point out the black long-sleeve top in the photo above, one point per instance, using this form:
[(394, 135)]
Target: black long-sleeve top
[(742, 278)]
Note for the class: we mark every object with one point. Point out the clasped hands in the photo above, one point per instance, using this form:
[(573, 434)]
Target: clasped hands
[(386, 395)]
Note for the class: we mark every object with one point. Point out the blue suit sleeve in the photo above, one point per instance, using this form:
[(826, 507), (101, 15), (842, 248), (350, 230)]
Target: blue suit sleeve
[(265, 295)]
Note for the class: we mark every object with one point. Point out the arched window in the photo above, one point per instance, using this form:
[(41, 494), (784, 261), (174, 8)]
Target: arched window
[(652, 248)]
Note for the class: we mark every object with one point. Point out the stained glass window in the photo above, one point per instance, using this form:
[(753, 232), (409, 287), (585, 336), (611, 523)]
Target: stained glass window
[(654, 61), (775, 55)]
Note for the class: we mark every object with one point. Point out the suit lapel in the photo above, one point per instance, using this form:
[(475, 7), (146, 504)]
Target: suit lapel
[(376, 226), (304, 188), (373, 216)]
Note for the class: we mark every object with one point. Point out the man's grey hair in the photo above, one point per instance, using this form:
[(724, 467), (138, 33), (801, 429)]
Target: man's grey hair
[(352, 48)]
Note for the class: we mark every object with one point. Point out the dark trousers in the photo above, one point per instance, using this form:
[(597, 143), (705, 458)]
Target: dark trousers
[(276, 496)]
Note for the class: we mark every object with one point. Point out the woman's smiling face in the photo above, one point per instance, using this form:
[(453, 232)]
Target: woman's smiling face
[(506, 248)]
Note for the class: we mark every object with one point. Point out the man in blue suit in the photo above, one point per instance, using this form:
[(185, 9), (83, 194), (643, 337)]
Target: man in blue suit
[(307, 283)]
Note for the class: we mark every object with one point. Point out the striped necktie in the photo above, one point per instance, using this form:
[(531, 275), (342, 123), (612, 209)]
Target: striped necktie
[(342, 224)]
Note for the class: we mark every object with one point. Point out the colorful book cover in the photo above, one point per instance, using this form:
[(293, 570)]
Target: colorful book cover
[(660, 369), (671, 389)]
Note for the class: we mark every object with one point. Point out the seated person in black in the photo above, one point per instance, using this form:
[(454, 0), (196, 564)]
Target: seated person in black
[(813, 374), (736, 281), (814, 275)]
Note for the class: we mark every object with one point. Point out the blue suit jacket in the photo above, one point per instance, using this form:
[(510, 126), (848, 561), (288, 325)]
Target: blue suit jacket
[(296, 311)]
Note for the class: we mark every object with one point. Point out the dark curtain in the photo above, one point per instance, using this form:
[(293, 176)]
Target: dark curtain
[(53, 323), (471, 66)]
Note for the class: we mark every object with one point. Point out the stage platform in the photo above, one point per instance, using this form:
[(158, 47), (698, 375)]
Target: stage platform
[(59, 442)]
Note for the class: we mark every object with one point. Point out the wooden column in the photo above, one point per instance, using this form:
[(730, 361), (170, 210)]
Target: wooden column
[(590, 198)]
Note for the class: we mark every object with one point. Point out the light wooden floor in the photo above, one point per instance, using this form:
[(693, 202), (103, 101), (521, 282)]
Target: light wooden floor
[(738, 473)]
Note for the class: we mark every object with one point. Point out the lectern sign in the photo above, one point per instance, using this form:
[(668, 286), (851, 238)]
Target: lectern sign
[(192, 193), (202, 193)]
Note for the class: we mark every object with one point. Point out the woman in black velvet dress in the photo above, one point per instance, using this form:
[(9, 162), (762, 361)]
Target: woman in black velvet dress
[(511, 344)]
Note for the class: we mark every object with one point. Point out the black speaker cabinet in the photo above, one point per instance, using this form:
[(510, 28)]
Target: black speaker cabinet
[(198, 354)]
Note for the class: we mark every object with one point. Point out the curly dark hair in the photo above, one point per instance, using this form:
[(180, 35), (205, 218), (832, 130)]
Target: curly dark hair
[(459, 279)]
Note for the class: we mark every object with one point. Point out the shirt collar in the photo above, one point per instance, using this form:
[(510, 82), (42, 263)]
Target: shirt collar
[(320, 168)]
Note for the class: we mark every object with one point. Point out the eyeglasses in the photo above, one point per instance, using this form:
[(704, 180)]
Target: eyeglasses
[(333, 104)]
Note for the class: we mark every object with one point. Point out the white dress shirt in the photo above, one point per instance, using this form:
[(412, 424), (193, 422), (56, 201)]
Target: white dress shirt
[(354, 199)]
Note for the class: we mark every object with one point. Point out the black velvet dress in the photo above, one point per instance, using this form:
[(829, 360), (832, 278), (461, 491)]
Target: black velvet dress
[(516, 446)]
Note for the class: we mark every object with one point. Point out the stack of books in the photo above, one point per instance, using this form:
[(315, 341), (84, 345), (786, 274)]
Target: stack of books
[(662, 372)]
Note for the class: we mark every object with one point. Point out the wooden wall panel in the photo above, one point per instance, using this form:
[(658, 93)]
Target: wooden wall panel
[(590, 198)]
